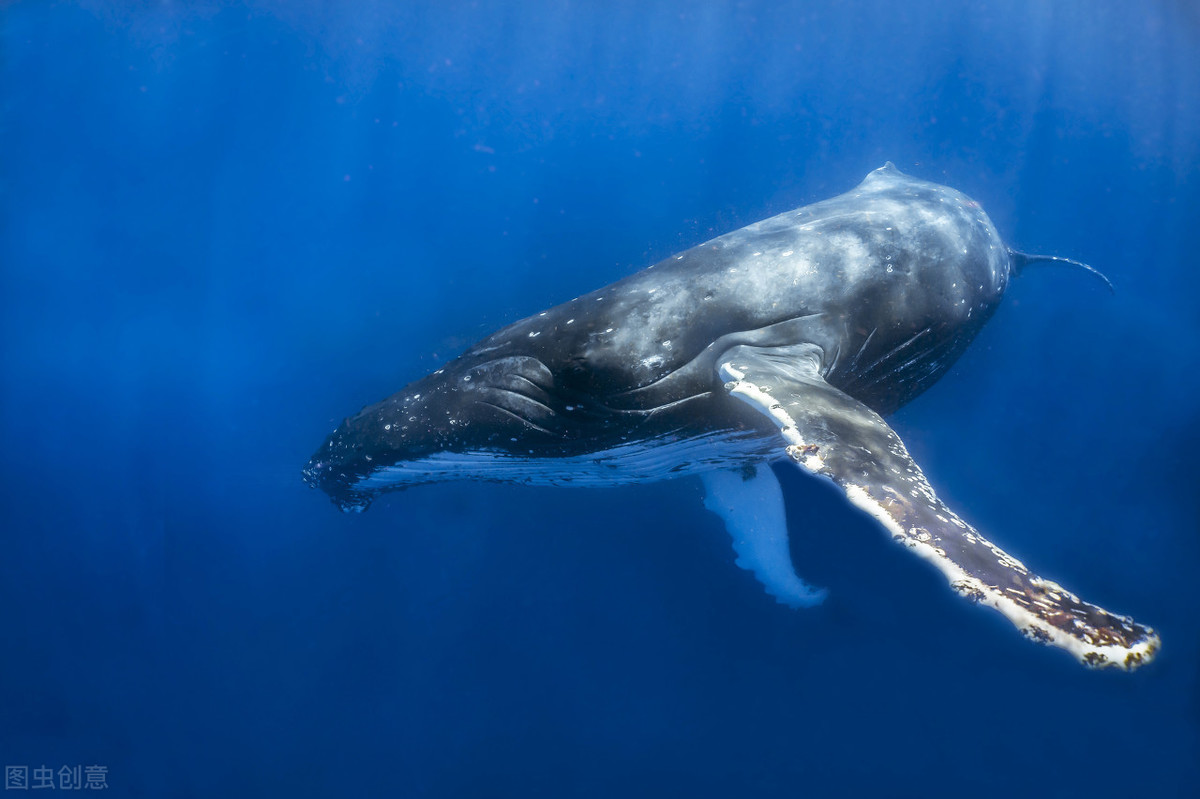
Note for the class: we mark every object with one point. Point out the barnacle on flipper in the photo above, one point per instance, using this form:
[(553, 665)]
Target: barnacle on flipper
[(969, 592), (1037, 634)]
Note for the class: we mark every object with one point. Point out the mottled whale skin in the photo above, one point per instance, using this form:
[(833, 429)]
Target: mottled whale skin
[(891, 280), (784, 340)]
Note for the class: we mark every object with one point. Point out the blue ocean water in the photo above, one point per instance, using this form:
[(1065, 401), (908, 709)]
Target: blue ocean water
[(224, 226)]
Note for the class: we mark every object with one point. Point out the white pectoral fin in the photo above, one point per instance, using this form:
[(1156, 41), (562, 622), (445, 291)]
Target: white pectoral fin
[(830, 433), (751, 504)]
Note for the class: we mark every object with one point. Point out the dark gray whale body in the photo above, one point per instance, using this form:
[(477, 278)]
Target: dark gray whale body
[(783, 340)]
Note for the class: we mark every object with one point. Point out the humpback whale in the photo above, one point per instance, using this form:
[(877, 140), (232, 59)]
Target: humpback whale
[(787, 340)]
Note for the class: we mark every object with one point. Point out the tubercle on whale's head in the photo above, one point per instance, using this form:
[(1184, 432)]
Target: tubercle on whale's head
[(380, 435), (325, 475), (336, 467)]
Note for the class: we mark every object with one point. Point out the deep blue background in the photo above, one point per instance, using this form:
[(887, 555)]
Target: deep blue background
[(226, 226)]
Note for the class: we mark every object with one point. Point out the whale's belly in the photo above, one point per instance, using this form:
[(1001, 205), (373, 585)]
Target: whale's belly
[(635, 462)]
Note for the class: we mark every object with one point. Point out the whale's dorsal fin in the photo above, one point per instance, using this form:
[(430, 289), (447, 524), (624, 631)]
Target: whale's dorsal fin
[(830, 433)]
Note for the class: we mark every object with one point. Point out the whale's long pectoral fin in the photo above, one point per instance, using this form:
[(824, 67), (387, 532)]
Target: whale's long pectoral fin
[(751, 503), (830, 433)]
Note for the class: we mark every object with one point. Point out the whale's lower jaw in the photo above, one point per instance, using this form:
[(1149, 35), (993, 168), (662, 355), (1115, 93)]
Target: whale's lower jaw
[(641, 462)]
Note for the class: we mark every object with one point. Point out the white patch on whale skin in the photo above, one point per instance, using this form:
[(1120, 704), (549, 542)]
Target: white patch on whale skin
[(653, 362)]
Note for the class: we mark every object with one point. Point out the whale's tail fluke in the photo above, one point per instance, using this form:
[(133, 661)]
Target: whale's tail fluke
[(1024, 259)]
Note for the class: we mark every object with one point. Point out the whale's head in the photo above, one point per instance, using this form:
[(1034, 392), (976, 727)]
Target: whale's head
[(474, 409)]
